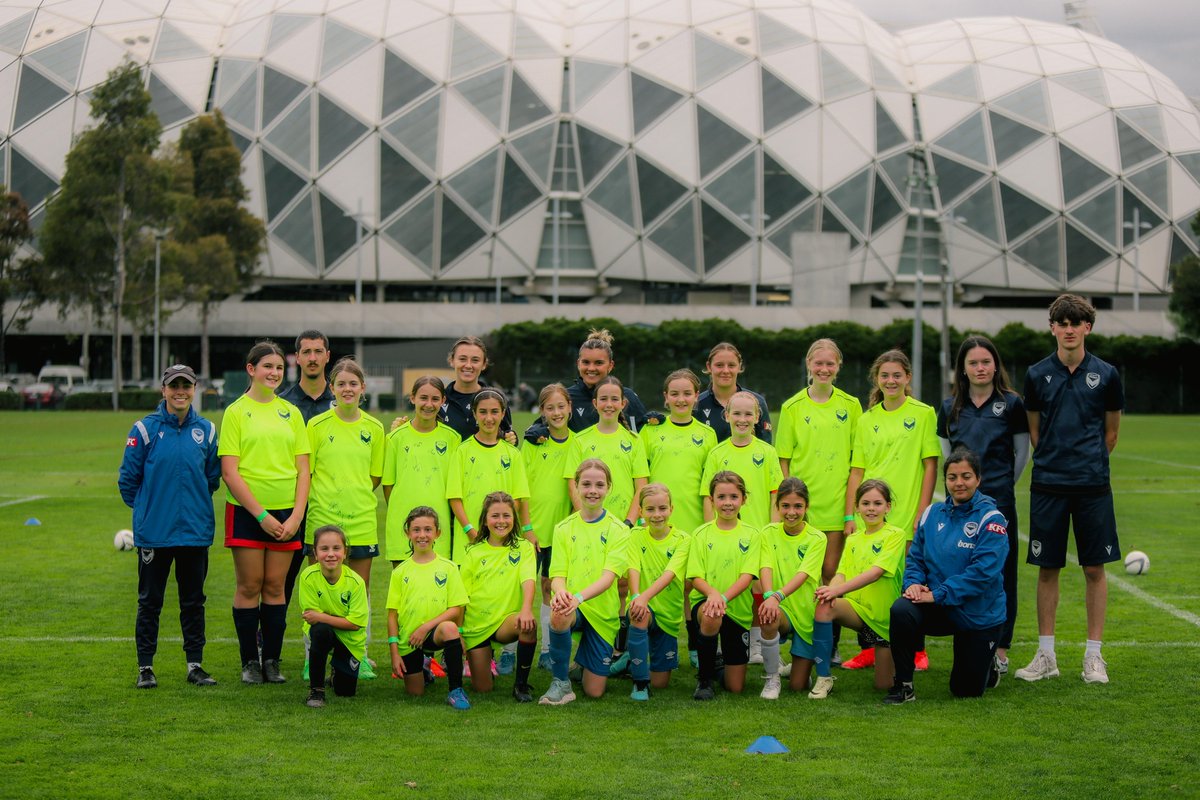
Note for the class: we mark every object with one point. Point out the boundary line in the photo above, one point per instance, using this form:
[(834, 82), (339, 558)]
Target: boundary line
[(1155, 461), (28, 499)]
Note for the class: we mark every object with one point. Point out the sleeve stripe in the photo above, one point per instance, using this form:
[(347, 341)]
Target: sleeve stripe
[(993, 513), (142, 429), (212, 432)]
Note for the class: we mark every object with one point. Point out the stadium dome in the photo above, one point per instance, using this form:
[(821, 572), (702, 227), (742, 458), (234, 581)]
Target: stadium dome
[(682, 144)]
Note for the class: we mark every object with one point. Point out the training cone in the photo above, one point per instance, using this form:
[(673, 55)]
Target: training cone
[(33, 521), (767, 745)]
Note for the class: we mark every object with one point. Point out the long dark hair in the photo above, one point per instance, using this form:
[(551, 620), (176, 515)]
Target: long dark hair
[(962, 386), (612, 380), (893, 357), (513, 538)]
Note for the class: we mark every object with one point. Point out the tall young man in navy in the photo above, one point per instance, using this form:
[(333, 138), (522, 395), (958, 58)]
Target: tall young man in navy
[(1074, 402), (168, 475)]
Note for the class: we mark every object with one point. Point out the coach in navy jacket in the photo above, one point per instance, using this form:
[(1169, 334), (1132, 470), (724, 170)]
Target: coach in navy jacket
[(954, 583), (168, 475)]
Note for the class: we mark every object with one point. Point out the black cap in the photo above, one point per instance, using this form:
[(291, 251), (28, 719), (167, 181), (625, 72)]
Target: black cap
[(179, 371)]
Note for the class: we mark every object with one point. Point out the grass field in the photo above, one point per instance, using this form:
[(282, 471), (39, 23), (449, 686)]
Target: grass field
[(71, 722)]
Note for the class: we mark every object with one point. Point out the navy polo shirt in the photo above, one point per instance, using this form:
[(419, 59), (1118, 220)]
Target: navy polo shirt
[(709, 411), (584, 414), (1070, 450), (456, 412), (988, 432), (309, 406)]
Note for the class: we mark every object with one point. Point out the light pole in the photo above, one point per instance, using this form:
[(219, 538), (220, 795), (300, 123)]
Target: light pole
[(756, 221), (1137, 226), (159, 235), (948, 221), (358, 279)]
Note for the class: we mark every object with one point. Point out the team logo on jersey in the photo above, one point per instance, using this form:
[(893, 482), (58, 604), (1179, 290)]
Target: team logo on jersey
[(505, 463), (707, 411), (472, 459), (998, 408), (710, 544), (579, 411), (808, 421), (1093, 380), (439, 578), (345, 598), (406, 579), (670, 552), (744, 545), (131, 441), (971, 528), (284, 414), (1047, 379), (320, 593), (941, 525), (626, 447), (1035, 547), (514, 558), (758, 460), (365, 436), (441, 448), (910, 423), (876, 427), (160, 434), (545, 456), (197, 436), (331, 438), (147, 554), (877, 548), (604, 538), (842, 415), (800, 550), (698, 440), (446, 408)]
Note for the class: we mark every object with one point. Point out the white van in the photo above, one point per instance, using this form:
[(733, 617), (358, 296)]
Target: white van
[(65, 377)]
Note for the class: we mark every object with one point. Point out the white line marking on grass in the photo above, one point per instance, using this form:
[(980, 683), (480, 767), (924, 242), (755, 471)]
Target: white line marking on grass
[(28, 499), (1140, 593), (1156, 461), (1156, 491)]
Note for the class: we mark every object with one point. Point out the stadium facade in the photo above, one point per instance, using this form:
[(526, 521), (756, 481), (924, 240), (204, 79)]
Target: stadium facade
[(643, 153)]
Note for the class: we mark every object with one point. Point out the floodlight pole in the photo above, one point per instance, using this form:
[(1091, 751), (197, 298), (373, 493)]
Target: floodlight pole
[(358, 279), (555, 254), (158, 237), (1138, 226)]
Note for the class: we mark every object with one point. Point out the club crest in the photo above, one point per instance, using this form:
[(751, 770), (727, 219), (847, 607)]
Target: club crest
[(441, 448), (579, 411), (971, 528), (1035, 547), (698, 440), (439, 578), (910, 423), (365, 436), (505, 463), (197, 436), (604, 538), (345, 598), (999, 407), (626, 447), (514, 558), (284, 414), (877, 548), (744, 545), (842, 415), (800, 553), (147, 554), (941, 525), (1093, 380), (758, 460)]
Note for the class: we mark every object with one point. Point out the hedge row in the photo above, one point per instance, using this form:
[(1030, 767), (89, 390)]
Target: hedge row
[(130, 400), (10, 401)]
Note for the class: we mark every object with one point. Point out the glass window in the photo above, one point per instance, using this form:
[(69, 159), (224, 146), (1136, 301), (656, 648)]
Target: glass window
[(720, 237), (966, 139), (719, 141), (338, 231), (29, 181), (1021, 212), (780, 102), (596, 152), (12, 34), (713, 59), (1147, 118), (574, 246), (282, 185), (1099, 214), (978, 212), (536, 148), (230, 74), (734, 188), (284, 25), (566, 176), (402, 83), (887, 132), (1179, 249), (459, 232), (657, 190), (63, 57), (239, 141), (650, 101), (524, 106), (836, 78), (1043, 251), (831, 224), (242, 105), (677, 236), (1152, 182), (476, 184), (897, 168), (469, 53), (35, 94), (173, 44), (293, 134), (1134, 147), (517, 192), (615, 194), (1010, 137), (414, 231), (884, 205), (418, 130), (1082, 253), (589, 76), (399, 180), (963, 83), (1088, 82), (298, 231), (804, 222), (340, 45), (1190, 162), (1145, 215), (485, 92), (922, 243), (336, 131), (774, 35), (527, 43), (1029, 103), (851, 198), (1079, 176), (279, 91), (953, 177), (169, 107)]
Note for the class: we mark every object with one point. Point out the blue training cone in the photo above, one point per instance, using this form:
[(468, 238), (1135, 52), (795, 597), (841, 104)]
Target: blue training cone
[(33, 521), (767, 745)]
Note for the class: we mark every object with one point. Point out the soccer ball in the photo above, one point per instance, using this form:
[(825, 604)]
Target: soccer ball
[(123, 540), (1137, 563)]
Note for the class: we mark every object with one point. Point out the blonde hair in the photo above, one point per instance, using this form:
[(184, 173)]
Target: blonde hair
[(651, 489), (551, 389), (682, 374), (593, 463), (598, 339), (814, 348)]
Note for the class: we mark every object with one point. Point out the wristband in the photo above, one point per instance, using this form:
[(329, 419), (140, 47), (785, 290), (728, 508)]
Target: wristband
[(848, 518), (468, 528), (578, 596), (393, 640), (636, 596), (779, 593), (629, 524), (526, 528), (771, 594), (723, 597), (263, 515)]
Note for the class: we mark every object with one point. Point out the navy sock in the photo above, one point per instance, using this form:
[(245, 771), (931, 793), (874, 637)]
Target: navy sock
[(822, 639), (245, 624), (452, 653), (623, 635), (706, 648), (639, 654), (560, 652), (525, 651), (273, 619)]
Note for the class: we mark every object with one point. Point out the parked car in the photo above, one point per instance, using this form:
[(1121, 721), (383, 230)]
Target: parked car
[(54, 382), (13, 381)]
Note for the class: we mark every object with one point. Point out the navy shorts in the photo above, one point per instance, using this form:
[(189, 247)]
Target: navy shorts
[(800, 648), (243, 530), (664, 648), (735, 640), (1091, 515), (414, 662), (595, 652), (543, 561)]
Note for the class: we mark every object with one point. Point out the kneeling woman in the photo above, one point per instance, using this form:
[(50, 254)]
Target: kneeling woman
[(333, 599), (954, 584)]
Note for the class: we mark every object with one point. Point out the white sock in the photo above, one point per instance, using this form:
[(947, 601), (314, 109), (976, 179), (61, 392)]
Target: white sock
[(755, 636), (1092, 648), (1046, 643), (545, 616), (196, 664), (307, 645), (770, 654), (511, 647)]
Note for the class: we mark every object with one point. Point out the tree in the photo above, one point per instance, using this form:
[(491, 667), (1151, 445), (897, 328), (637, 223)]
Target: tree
[(218, 240), (16, 271), (1185, 293), (112, 189)]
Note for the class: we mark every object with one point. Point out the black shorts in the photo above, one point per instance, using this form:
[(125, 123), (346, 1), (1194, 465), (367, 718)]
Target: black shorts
[(735, 640), (414, 662), (243, 530), (868, 638), (543, 560), (1092, 517)]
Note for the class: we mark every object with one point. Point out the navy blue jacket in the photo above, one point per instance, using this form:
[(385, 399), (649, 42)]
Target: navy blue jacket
[(456, 411), (959, 552), (584, 414), (168, 477), (712, 414)]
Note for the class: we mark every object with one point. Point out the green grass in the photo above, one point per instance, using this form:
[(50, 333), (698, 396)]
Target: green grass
[(71, 722)]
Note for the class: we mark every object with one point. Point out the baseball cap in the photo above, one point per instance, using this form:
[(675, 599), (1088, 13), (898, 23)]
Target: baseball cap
[(178, 371)]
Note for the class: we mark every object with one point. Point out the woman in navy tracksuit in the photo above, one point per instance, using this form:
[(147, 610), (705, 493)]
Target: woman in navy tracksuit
[(168, 475), (953, 584)]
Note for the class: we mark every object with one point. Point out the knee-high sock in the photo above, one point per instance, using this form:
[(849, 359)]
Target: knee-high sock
[(245, 624), (560, 653), (273, 619), (823, 645), (770, 654), (639, 654), (706, 648), (524, 661), (452, 652), (545, 620), (623, 635)]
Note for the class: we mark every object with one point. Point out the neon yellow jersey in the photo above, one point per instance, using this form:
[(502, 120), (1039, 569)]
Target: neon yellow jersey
[(758, 464), (479, 470), (788, 556), (891, 446), (583, 551), (883, 549), (266, 438), (417, 465), (493, 578), (626, 459), (651, 558), (817, 439), (345, 457), (720, 558), (347, 599), (419, 592), (677, 454), (550, 499)]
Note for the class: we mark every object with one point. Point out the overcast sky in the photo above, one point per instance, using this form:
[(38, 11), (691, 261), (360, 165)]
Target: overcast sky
[(1164, 33)]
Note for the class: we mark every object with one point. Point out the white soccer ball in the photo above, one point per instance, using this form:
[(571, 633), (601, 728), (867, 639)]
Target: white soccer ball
[(123, 540), (1137, 562)]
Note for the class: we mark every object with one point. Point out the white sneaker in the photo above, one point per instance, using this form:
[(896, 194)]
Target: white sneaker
[(771, 688), (1044, 665), (785, 670), (755, 646), (1095, 669), (821, 688)]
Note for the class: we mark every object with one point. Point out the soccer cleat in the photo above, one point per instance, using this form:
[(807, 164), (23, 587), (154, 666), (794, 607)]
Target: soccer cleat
[(900, 693), (559, 694), (545, 662), (1001, 665), (316, 698), (641, 695), (304, 674), (435, 669), (861, 661), (495, 672), (522, 693), (619, 665), (457, 699), (365, 672), (1044, 665), (822, 688), (1095, 669), (755, 651), (770, 690), (694, 658), (198, 677), (921, 661), (508, 662), (146, 679), (785, 670), (994, 673), (704, 691), (271, 673), (252, 672)]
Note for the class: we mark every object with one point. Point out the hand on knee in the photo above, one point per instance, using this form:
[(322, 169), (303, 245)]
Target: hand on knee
[(447, 631)]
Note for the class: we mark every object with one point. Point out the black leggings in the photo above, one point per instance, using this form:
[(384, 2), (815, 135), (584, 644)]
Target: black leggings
[(154, 568), (324, 641), (973, 649)]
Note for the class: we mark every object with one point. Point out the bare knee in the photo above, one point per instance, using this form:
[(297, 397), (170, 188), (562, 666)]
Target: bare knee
[(1095, 573)]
